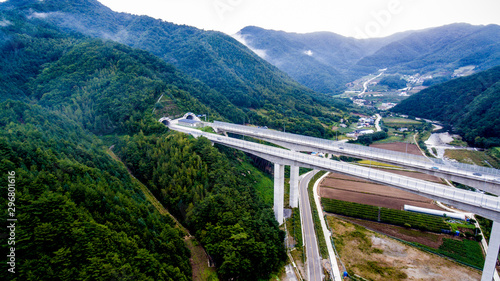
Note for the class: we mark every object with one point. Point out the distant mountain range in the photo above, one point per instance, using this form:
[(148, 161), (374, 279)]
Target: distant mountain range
[(470, 104), (237, 82), (325, 61)]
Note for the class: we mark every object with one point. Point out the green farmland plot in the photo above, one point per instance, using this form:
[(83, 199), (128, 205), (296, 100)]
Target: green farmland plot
[(386, 215)]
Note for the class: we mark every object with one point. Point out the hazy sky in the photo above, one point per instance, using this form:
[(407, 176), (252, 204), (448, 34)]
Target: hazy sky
[(355, 18)]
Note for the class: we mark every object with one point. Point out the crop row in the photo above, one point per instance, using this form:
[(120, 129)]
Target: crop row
[(385, 215)]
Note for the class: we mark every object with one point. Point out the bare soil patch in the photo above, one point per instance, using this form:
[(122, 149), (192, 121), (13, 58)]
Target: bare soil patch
[(430, 239), (346, 188), (399, 146), (377, 257)]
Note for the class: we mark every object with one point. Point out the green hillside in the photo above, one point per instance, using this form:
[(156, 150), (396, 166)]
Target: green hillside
[(229, 71), (440, 49), (470, 104), (65, 100), (325, 61), (79, 214)]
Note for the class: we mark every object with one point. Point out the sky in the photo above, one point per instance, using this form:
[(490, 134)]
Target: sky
[(352, 18)]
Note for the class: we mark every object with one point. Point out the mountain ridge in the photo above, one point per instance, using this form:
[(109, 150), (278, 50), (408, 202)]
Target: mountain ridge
[(470, 104), (231, 70), (326, 61)]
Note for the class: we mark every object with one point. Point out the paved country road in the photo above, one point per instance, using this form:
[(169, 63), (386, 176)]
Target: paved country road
[(313, 262)]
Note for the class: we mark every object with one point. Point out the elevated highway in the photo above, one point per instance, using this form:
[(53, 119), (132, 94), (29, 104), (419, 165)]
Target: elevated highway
[(485, 205), (478, 203), (486, 179)]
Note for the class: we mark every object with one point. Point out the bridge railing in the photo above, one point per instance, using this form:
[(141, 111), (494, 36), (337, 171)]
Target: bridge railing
[(435, 189), (439, 191), (358, 150)]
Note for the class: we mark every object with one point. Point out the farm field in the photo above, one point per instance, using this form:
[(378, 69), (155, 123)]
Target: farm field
[(398, 146), (346, 188), (472, 157), (400, 122)]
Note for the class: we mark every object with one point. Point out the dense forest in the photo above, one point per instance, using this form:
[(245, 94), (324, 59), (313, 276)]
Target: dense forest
[(80, 216), (393, 82), (204, 186), (66, 100), (326, 62), (231, 79), (470, 104), (444, 48)]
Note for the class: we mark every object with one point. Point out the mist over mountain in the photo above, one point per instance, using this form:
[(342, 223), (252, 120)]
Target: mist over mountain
[(240, 82), (325, 61)]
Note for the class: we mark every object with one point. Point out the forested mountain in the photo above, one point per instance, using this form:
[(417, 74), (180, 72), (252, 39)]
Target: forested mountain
[(325, 61), (470, 104), (66, 100), (230, 71), (447, 47), (79, 214)]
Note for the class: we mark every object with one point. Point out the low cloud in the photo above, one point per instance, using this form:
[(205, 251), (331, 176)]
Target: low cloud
[(37, 15), (261, 53), (4, 23)]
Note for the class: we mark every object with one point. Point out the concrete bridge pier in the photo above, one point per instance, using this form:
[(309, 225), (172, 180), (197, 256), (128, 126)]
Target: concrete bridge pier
[(294, 186), (279, 192), (492, 254)]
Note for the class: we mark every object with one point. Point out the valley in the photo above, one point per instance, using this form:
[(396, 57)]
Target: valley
[(104, 191)]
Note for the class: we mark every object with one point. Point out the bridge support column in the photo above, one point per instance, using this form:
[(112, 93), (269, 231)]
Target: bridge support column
[(279, 192), (294, 186), (492, 254)]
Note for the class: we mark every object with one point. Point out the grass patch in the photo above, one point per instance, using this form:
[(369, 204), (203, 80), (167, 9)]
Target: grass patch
[(467, 252), (294, 227), (374, 163), (199, 262), (400, 122), (208, 129), (494, 152), (456, 142), (472, 157), (317, 223), (390, 139), (264, 186)]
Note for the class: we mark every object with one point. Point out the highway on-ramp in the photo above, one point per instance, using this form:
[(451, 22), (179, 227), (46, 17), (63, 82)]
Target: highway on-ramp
[(313, 259)]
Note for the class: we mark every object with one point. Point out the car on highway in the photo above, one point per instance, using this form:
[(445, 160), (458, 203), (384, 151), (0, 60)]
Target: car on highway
[(477, 174), (435, 168)]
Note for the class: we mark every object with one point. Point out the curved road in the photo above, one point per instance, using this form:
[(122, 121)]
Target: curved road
[(365, 85), (377, 122), (314, 267)]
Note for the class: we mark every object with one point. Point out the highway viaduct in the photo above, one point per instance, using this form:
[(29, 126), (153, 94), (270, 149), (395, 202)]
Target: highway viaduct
[(485, 205), (486, 179)]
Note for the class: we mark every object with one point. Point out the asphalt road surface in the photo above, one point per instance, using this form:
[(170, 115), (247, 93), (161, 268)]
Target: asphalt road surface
[(314, 268)]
